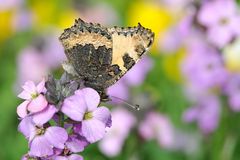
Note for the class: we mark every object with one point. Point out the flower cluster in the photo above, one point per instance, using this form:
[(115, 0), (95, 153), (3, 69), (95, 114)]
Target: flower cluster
[(209, 33), (59, 120)]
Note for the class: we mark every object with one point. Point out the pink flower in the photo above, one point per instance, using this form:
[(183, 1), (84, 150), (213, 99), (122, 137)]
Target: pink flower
[(136, 75), (122, 122), (222, 19), (70, 157), (76, 143), (119, 89), (206, 113), (156, 126), (232, 90), (10, 4), (32, 57), (73, 145), (42, 141), (53, 52), (101, 13), (44, 116), (203, 67), (83, 107), (22, 20), (34, 99)]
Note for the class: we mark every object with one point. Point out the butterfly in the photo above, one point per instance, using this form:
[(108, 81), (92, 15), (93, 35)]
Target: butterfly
[(99, 55)]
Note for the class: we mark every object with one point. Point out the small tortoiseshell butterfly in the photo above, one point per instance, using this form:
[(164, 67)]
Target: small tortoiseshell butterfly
[(100, 56)]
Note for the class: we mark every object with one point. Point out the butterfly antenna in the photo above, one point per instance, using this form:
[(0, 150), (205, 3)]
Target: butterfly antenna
[(136, 106)]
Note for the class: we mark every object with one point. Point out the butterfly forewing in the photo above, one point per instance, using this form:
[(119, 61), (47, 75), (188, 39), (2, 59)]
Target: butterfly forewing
[(129, 44)]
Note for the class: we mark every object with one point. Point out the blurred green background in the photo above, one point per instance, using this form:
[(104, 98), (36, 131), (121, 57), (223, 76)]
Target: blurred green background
[(33, 26)]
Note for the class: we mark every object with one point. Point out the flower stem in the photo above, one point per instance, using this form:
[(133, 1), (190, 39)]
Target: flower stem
[(61, 120)]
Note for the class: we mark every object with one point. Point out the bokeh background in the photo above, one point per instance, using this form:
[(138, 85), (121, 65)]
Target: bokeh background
[(188, 86)]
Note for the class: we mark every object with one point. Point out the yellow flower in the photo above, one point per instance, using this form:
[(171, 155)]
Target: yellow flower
[(50, 13), (150, 15), (45, 13), (67, 18), (5, 24), (171, 64), (231, 55)]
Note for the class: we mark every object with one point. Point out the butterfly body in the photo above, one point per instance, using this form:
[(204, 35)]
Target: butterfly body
[(100, 56)]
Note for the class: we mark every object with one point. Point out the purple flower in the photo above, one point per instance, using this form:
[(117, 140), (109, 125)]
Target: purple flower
[(57, 157), (27, 157), (30, 57), (83, 107), (76, 143), (157, 126), (206, 113), (122, 122), (101, 13), (176, 36), (119, 89), (9, 4), (136, 75), (42, 141), (41, 61), (44, 116), (53, 52), (70, 157), (34, 98), (222, 19), (232, 89), (22, 20), (203, 67)]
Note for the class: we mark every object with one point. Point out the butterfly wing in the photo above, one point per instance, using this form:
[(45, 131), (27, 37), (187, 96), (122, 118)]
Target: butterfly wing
[(101, 56), (88, 48), (129, 44)]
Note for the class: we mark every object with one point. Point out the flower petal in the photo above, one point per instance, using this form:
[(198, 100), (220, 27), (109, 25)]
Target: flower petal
[(22, 109), (74, 107), (93, 130), (76, 144), (30, 87), (24, 157), (191, 114), (77, 128), (25, 95), (57, 136), (145, 129), (40, 147), (102, 114), (60, 158), (41, 87), (37, 104), (91, 97), (220, 35), (111, 146), (71, 157), (44, 116), (27, 128), (75, 157)]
